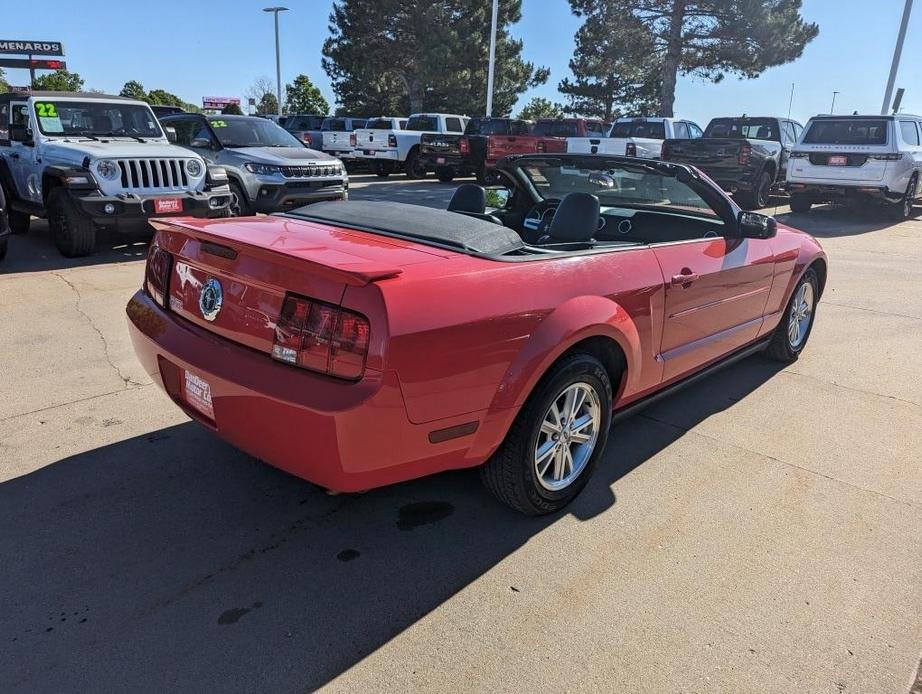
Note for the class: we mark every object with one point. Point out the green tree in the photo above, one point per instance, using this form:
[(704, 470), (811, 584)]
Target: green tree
[(303, 96), (4, 85), (433, 54), (268, 105), (539, 107), (59, 81), (232, 110), (713, 38), (615, 67), (133, 90)]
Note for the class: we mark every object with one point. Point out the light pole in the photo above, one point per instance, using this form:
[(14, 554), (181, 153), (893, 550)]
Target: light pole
[(278, 64), (492, 59), (894, 66), (832, 109)]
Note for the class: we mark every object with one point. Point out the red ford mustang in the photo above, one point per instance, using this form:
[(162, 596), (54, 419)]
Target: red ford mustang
[(357, 344)]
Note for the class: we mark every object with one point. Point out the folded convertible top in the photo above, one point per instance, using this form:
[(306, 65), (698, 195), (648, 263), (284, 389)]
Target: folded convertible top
[(421, 224)]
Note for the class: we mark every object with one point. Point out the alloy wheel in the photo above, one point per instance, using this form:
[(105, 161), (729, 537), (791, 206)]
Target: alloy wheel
[(800, 314), (569, 433)]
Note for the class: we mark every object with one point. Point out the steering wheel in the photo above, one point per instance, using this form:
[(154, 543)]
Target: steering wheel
[(538, 220)]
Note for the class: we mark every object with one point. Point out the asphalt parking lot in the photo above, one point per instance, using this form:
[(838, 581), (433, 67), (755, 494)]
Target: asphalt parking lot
[(759, 532)]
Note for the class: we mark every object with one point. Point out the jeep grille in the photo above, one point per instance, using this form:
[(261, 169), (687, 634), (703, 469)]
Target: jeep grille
[(140, 174), (308, 171)]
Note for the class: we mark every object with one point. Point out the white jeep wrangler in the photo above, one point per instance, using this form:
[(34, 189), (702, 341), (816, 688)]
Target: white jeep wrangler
[(86, 161)]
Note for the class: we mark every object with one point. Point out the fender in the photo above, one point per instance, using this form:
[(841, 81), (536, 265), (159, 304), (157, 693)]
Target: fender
[(575, 320), (72, 177)]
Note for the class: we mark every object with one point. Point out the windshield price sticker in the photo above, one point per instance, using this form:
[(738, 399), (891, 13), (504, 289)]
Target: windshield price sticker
[(218, 124), (46, 110)]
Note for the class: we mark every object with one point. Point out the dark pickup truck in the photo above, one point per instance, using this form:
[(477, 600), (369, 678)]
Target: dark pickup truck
[(745, 156), (485, 141)]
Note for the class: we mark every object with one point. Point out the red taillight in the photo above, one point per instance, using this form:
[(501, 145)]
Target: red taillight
[(321, 337), (157, 274), (465, 147), (392, 140), (542, 146), (664, 152), (352, 140), (630, 150), (307, 139), (745, 153)]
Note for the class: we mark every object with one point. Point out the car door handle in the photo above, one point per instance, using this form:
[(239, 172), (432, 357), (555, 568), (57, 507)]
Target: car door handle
[(684, 278)]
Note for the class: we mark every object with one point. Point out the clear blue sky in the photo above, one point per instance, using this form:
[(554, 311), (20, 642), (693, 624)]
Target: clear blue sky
[(194, 49)]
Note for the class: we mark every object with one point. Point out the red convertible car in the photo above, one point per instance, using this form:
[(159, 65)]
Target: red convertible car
[(358, 344)]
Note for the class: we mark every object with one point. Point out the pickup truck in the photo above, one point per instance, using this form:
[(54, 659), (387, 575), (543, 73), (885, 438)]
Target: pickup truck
[(306, 127), (485, 141), (338, 136), (391, 150), (636, 137), (746, 156)]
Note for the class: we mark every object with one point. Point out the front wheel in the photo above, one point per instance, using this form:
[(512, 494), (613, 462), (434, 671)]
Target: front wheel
[(74, 233), (792, 333), (555, 441), (800, 204), (239, 206)]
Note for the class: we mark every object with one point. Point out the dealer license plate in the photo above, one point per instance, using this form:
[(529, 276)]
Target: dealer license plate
[(368, 152), (167, 205), (196, 392), (837, 161)]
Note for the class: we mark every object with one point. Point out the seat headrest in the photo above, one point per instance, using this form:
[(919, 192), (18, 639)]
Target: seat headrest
[(763, 133), (102, 123), (576, 218), (469, 197)]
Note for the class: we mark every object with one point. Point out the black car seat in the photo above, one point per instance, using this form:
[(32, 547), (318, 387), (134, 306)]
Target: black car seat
[(575, 222), (102, 123), (764, 133), (471, 199)]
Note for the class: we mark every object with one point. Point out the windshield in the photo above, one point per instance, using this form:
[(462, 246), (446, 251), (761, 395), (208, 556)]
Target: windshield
[(421, 123), (251, 132), (96, 118), (652, 130), (745, 128), (555, 128), (616, 185), (858, 131)]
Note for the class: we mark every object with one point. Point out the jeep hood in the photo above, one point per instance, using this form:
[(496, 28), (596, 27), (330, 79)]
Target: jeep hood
[(75, 151), (281, 156)]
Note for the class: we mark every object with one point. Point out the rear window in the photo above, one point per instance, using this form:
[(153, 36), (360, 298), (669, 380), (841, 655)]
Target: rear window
[(858, 131), (422, 123), (745, 128), (304, 122), (653, 130), (358, 123), (555, 128), (335, 125), (379, 124), (487, 126)]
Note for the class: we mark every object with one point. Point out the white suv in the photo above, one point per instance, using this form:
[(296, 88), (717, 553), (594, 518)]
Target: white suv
[(847, 157)]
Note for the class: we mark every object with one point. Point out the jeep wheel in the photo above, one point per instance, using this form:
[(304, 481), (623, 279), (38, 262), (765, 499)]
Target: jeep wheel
[(555, 441), (414, 167), (445, 174), (902, 210), (239, 206), (74, 233), (19, 222), (800, 204)]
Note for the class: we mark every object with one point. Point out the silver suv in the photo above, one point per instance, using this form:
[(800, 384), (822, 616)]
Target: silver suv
[(269, 169)]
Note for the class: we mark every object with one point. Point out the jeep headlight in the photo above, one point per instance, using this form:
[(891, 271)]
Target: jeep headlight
[(194, 168), (108, 169), (261, 169)]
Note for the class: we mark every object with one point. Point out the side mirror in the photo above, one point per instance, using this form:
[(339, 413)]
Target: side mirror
[(200, 143), (753, 225), (498, 198), (170, 134), (21, 133)]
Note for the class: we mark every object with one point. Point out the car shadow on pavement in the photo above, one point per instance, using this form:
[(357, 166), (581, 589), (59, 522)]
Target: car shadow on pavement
[(836, 221), (173, 562)]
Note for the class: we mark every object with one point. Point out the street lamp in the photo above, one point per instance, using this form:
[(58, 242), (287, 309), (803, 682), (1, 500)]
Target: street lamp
[(492, 59), (278, 65)]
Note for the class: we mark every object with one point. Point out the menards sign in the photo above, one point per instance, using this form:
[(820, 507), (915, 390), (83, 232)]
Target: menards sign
[(31, 47)]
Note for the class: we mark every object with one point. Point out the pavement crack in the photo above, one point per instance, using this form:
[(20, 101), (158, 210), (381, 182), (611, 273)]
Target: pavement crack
[(835, 384), (126, 380), (69, 402), (781, 461), (826, 302)]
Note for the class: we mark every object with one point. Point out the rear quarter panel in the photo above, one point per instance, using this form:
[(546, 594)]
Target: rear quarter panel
[(473, 334)]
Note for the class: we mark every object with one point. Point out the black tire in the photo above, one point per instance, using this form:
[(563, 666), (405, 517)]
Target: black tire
[(381, 169), (4, 244), (510, 473), (19, 222), (781, 347), (414, 168), (759, 196), (445, 174), (800, 204), (239, 206), (74, 233), (902, 210)]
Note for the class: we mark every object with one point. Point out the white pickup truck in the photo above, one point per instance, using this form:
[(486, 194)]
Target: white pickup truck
[(390, 150), (635, 137), (338, 136)]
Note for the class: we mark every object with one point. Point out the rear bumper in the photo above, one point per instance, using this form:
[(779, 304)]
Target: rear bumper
[(856, 189), (379, 154), (340, 435), (274, 197), (342, 154), (129, 207), (437, 160)]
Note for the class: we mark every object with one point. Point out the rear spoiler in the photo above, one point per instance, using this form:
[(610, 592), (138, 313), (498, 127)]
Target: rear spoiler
[(225, 239)]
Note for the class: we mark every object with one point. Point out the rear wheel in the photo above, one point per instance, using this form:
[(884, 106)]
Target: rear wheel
[(800, 204), (239, 205), (445, 174), (414, 167), (759, 196), (792, 333), (903, 209), (74, 233), (556, 440)]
